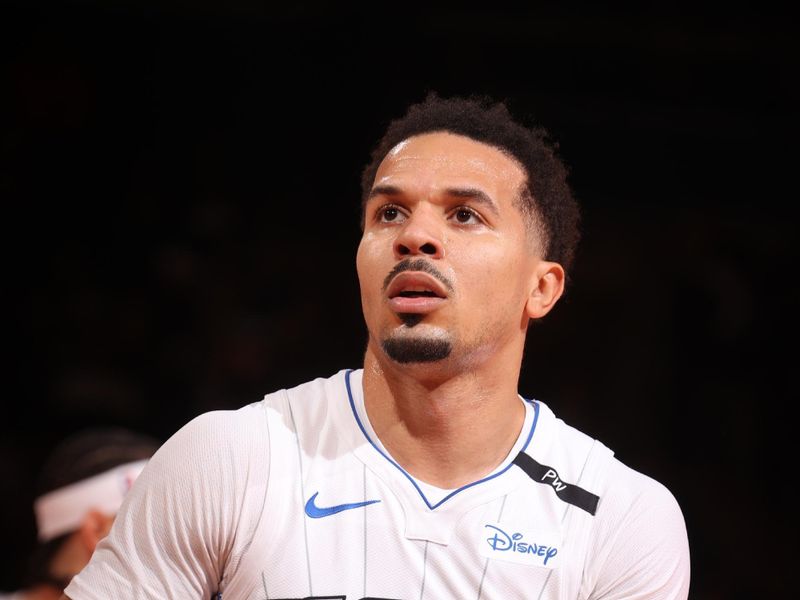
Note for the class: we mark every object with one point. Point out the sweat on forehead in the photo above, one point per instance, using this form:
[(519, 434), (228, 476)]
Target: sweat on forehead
[(446, 154)]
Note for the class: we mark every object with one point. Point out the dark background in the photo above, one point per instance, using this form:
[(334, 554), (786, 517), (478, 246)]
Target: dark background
[(179, 186)]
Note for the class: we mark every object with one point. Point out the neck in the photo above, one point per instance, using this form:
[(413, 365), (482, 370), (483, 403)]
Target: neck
[(444, 428)]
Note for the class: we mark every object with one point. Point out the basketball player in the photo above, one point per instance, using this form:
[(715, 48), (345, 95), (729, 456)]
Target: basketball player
[(423, 474), (81, 486)]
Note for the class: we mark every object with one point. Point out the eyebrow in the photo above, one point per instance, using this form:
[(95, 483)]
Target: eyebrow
[(474, 194), (384, 190)]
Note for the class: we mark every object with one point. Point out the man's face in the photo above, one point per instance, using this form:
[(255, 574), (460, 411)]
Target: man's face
[(445, 265)]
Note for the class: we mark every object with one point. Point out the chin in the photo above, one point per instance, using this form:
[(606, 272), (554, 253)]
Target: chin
[(417, 347)]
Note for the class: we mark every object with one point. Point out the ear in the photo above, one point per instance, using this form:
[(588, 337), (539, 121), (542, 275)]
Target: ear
[(547, 287), (93, 528)]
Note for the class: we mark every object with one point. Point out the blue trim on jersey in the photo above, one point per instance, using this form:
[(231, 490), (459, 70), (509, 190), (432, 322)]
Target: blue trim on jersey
[(409, 477)]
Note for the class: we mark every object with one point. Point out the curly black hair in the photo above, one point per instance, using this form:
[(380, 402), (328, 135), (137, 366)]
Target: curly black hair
[(547, 200)]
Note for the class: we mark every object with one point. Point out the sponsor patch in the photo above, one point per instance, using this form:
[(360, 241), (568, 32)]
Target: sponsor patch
[(526, 547)]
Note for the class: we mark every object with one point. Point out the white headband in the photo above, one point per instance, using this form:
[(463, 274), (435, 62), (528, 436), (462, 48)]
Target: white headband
[(62, 510)]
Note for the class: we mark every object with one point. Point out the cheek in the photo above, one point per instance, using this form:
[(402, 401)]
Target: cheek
[(492, 271), (368, 266)]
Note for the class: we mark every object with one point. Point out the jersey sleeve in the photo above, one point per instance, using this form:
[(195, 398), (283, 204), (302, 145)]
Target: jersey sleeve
[(641, 550), (184, 525)]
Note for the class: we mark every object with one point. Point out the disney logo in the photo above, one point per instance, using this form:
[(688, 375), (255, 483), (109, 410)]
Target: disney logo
[(500, 541)]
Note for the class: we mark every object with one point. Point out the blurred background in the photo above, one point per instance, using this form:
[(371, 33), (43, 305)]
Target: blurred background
[(180, 193)]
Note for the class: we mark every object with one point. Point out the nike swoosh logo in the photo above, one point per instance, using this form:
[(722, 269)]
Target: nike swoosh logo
[(317, 512)]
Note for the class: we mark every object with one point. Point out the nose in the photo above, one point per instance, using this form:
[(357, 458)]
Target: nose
[(420, 235)]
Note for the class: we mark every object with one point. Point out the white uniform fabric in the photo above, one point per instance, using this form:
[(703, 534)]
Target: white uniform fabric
[(294, 497)]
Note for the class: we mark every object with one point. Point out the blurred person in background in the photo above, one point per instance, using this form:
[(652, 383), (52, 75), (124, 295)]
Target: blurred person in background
[(80, 488)]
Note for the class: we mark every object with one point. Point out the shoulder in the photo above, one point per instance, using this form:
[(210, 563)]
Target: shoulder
[(234, 436), (641, 503), (312, 393), (577, 457), (310, 406), (626, 495), (250, 423), (630, 487), (596, 466), (640, 543), (208, 433)]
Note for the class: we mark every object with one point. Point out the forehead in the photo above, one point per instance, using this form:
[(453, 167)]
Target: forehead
[(444, 160)]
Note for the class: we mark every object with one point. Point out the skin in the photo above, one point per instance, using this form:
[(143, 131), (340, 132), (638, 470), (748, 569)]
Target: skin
[(449, 200), (74, 554)]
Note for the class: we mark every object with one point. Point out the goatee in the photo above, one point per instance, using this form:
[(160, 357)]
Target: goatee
[(416, 350)]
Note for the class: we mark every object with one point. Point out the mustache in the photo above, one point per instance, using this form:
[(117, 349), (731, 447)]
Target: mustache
[(417, 264)]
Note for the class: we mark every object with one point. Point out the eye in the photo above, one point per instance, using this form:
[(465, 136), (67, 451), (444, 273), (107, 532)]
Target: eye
[(466, 216), (389, 214)]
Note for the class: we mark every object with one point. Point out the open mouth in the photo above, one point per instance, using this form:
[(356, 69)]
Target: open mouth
[(415, 284), (415, 292)]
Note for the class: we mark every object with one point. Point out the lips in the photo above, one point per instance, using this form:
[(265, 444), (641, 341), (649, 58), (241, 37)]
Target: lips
[(415, 292)]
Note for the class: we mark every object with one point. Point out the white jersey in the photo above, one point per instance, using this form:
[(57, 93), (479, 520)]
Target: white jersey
[(294, 497)]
